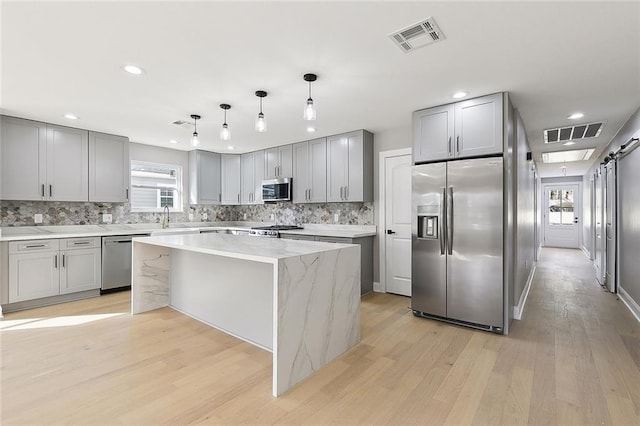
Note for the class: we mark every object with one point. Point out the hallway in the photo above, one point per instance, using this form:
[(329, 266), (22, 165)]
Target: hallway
[(584, 346), (573, 359)]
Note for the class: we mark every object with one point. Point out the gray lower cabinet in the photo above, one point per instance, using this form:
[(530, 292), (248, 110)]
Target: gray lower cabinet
[(43, 161), (204, 177), (350, 167), (366, 254), (43, 268), (109, 171), (463, 129)]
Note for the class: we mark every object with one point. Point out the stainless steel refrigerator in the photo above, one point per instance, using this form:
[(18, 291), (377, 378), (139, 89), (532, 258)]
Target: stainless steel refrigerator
[(457, 242)]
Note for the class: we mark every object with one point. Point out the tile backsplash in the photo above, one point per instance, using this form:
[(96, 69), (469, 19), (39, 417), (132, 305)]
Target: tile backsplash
[(21, 213)]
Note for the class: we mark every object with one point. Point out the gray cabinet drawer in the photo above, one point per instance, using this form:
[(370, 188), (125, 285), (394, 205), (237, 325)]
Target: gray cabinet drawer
[(33, 246), (79, 243)]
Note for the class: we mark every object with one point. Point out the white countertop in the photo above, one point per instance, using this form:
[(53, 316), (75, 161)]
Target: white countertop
[(21, 233), (267, 250)]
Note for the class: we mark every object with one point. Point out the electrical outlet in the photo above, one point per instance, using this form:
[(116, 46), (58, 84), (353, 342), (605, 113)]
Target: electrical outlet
[(244, 216), (336, 217), (273, 217), (107, 218), (37, 218), (204, 216), (190, 216)]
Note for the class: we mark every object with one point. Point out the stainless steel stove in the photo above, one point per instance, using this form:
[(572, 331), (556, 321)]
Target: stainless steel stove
[(272, 231)]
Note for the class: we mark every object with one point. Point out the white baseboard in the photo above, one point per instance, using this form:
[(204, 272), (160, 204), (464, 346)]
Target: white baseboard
[(517, 310), (631, 304), (586, 252), (377, 287)]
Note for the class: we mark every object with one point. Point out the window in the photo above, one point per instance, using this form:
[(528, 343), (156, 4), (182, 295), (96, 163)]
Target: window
[(561, 207), (154, 186)]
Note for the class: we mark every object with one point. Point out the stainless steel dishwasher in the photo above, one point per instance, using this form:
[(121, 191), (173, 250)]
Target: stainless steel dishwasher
[(116, 262)]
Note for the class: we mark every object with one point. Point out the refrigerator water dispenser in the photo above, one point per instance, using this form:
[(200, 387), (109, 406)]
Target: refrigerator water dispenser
[(428, 220)]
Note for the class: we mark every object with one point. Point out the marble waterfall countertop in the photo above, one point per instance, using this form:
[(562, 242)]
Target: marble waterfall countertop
[(18, 233), (268, 250), (300, 300)]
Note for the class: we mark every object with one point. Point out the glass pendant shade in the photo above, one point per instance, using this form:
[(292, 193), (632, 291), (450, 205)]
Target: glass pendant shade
[(309, 110), (195, 140), (225, 133), (261, 123)]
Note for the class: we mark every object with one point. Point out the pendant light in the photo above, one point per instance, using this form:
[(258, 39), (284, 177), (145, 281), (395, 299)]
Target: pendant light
[(309, 108), (195, 140), (225, 133), (261, 123)]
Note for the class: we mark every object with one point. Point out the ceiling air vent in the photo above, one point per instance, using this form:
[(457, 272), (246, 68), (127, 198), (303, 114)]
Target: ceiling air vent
[(572, 133), (417, 35)]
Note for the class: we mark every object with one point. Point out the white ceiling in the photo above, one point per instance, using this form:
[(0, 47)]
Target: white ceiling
[(554, 57)]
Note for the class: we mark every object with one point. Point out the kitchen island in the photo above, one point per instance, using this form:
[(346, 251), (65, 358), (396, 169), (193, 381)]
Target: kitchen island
[(298, 299)]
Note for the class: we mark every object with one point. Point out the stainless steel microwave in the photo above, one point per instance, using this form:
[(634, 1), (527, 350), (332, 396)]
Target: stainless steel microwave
[(276, 189)]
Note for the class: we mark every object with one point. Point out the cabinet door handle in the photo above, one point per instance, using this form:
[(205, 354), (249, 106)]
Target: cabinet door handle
[(63, 256), (341, 192), (220, 196), (458, 144), (43, 190), (127, 194), (81, 243), (449, 150), (238, 197), (346, 192), (50, 190), (55, 261)]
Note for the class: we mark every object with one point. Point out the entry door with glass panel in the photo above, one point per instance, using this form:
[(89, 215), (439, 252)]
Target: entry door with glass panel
[(562, 216)]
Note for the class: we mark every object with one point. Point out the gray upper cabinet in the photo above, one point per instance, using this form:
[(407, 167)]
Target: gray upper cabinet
[(230, 178), (204, 177), (278, 162), (252, 171), (109, 171), (310, 171), (43, 162), (350, 167), (433, 133), (465, 129), (67, 164), (23, 159)]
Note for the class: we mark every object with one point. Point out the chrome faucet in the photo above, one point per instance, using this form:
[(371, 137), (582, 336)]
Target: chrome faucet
[(165, 218)]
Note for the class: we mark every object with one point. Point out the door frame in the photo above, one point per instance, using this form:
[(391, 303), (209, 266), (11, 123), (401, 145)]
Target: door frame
[(381, 286), (577, 206)]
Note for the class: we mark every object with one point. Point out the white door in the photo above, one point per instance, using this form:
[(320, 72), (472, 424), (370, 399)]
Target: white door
[(562, 215), (397, 234)]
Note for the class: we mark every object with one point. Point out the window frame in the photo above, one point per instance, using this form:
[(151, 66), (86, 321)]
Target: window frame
[(178, 191)]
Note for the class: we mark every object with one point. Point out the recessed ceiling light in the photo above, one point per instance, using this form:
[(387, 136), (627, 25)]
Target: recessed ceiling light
[(71, 116), (575, 116), (133, 69), (173, 141), (569, 143), (459, 95), (311, 129), (230, 148)]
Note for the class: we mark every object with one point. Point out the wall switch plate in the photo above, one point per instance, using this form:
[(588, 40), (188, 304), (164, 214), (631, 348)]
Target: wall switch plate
[(204, 216), (273, 216), (336, 217), (244, 216), (190, 216), (37, 218), (107, 218)]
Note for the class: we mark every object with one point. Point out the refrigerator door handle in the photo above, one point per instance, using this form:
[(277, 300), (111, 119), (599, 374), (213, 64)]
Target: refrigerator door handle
[(450, 220), (441, 230)]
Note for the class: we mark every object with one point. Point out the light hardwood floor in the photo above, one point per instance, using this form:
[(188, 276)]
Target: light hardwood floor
[(573, 359)]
